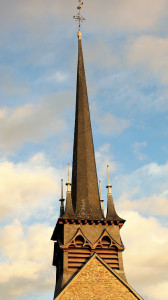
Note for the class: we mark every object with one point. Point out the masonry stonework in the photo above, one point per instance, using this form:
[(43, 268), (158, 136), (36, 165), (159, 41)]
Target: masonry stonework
[(96, 282)]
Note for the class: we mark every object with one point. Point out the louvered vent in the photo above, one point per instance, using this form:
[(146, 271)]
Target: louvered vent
[(108, 252), (78, 252)]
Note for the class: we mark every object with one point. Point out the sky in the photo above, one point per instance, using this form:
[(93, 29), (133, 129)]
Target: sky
[(125, 47)]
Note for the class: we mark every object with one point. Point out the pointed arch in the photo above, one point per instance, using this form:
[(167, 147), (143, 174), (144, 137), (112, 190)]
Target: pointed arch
[(108, 241), (74, 242)]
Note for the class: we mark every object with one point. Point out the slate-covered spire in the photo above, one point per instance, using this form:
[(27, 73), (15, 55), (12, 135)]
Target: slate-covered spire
[(111, 212), (85, 194)]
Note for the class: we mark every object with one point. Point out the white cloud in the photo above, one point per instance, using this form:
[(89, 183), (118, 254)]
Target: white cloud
[(155, 205), (10, 85), (27, 253), (95, 53), (138, 14), (57, 77), (151, 179), (110, 124), (145, 257), (104, 158), (158, 291), (27, 188), (128, 14), (137, 150), (150, 54), (32, 122)]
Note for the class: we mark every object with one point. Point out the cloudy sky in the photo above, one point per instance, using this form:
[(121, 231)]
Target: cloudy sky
[(125, 45)]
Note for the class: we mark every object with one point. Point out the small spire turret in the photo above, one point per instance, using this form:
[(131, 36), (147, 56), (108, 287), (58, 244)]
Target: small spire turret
[(111, 212)]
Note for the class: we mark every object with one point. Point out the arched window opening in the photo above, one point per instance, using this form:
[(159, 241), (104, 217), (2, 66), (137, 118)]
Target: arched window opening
[(106, 242), (79, 241)]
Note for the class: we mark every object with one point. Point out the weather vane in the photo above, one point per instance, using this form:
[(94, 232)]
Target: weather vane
[(79, 18)]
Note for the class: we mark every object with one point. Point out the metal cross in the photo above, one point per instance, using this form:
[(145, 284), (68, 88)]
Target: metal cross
[(79, 17)]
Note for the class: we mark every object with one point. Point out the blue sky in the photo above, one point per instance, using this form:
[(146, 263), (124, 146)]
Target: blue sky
[(125, 46)]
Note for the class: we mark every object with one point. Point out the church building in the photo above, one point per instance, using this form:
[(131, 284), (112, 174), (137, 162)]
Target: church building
[(87, 243)]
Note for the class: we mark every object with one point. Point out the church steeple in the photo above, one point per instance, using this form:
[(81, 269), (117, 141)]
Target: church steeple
[(82, 229), (85, 194)]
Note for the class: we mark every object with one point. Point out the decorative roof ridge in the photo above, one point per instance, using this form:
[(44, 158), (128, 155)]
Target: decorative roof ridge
[(84, 221)]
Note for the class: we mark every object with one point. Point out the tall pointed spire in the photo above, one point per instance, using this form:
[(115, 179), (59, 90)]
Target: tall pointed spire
[(85, 194), (111, 212)]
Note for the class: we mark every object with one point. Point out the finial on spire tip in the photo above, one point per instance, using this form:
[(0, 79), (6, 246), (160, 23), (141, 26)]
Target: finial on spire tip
[(68, 182), (68, 171), (108, 174), (100, 190), (109, 186), (62, 196), (79, 18)]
